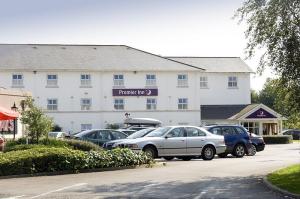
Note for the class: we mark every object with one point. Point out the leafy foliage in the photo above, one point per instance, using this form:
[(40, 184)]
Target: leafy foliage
[(37, 123), (274, 26)]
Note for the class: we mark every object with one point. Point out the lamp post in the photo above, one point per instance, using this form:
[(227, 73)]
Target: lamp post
[(14, 108)]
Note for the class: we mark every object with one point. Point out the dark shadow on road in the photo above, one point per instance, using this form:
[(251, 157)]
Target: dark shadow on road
[(218, 188)]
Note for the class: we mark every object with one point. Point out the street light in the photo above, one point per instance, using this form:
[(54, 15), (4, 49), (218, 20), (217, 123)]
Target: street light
[(15, 109)]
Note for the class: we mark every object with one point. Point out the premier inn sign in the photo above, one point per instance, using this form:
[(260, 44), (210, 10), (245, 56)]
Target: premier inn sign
[(135, 92)]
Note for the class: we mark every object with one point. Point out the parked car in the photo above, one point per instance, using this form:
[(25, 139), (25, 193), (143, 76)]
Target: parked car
[(57, 135), (100, 136), (2, 142), (184, 142), (138, 134), (294, 132), (127, 131), (258, 144), (237, 139)]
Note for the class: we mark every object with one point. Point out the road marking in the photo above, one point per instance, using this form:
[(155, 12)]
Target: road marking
[(200, 195), (14, 197), (61, 189)]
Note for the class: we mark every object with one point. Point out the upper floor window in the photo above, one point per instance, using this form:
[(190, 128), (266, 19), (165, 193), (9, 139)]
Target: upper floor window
[(119, 104), (151, 104), (52, 104), (150, 80), (203, 82), (17, 80), (182, 80), (232, 82), (51, 80), (182, 103), (85, 80), (118, 80), (85, 103)]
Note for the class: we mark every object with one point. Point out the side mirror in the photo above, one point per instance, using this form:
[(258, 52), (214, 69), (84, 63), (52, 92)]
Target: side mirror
[(168, 136)]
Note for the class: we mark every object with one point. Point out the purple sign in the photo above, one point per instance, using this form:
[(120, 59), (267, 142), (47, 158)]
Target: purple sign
[(261, 113), (135, 92)]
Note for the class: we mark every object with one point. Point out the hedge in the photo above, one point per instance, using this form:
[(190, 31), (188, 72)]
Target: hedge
[(72, 144), (278, 139), (49, 159)]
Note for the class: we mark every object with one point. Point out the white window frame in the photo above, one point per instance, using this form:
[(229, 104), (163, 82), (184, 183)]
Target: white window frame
[(18, 82), (52, 82), (151, 103), (203, 82), (119, 103), (232, 82), (86, 104), (118, 79), (150, 80), (85, 80), (182, 103), (182, 80), (52, 106), (85, 127)]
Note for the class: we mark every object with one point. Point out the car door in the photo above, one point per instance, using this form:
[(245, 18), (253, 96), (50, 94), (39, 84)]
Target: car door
[(91, 137), (195, 140), (230, 136), (103, 136), (175, 142)]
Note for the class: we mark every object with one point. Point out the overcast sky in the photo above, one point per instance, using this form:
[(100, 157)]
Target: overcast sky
[(164, 27)]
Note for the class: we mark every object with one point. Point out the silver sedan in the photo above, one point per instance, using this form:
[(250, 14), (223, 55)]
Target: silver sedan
[(184, 142)]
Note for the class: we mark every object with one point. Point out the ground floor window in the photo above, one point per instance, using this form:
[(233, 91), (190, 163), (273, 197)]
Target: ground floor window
[(252, 127), (86, 127)]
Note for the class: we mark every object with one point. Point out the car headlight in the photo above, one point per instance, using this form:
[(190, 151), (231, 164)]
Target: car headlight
[(132, 146)]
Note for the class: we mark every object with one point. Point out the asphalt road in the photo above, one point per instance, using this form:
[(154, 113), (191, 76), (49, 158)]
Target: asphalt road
[(220, 178)]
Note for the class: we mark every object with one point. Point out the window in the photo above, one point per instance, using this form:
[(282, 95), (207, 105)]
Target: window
[(85, 80), (118, 135), (177, 132), (182, 80), (193, 132), (52, 104), (17, 80), (232, 82), (118, 80), (203, 82), (216, 131), (252, 127), (86, 104), (51, 80), (182, 103), (228, 130), (119, 104), (151, 104), (86, 127), (150, 80)]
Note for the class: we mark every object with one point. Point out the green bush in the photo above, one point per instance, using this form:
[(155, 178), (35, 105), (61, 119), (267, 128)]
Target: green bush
[(73, 144), (278, 139), (40, 158)]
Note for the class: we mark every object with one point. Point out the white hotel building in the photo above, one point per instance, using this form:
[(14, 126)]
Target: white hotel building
[(91, 86)]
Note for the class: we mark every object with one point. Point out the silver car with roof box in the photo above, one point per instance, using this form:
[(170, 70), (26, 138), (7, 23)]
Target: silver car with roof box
[(184, 142)]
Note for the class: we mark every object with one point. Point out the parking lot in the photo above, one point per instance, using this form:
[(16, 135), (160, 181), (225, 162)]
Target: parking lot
[(220, 178)]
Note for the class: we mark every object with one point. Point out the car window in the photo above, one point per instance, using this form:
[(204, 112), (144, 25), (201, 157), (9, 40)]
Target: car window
[(159, 132), (227, 130), (239, 130), (103, 135), (193, 132), (177, 132), (91, 135), (118, 135), (216, 131)]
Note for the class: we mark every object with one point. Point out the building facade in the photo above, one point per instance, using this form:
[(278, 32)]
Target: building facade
[(90, 86)]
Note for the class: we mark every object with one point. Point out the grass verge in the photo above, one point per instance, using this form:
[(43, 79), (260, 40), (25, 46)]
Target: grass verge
[(287, 178)]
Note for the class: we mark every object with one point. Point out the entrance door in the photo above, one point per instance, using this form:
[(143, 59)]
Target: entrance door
[(270, 129)]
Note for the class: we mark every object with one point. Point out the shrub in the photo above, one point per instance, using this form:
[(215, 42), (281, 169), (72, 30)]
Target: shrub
[(278, 139)]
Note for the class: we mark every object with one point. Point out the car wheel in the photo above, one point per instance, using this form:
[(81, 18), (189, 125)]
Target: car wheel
[(150, 151), (168, 158), (222, 155), (252, 150), (208, 153), (186, 158), (239, 151)]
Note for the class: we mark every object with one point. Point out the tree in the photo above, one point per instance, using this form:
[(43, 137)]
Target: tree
[(274, 26), (268, 94), (254, 97), (37, 123)]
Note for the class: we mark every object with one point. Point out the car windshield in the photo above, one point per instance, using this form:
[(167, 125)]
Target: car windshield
[(158, 132), (53, 134), (82, 133), (140, 133)]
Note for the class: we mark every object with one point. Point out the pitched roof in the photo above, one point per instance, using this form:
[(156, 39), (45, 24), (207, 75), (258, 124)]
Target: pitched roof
[(217, 64), (220, 112), (84, 57)]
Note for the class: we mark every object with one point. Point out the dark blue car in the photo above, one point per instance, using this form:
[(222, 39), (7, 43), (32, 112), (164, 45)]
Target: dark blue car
[(236, 138)]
